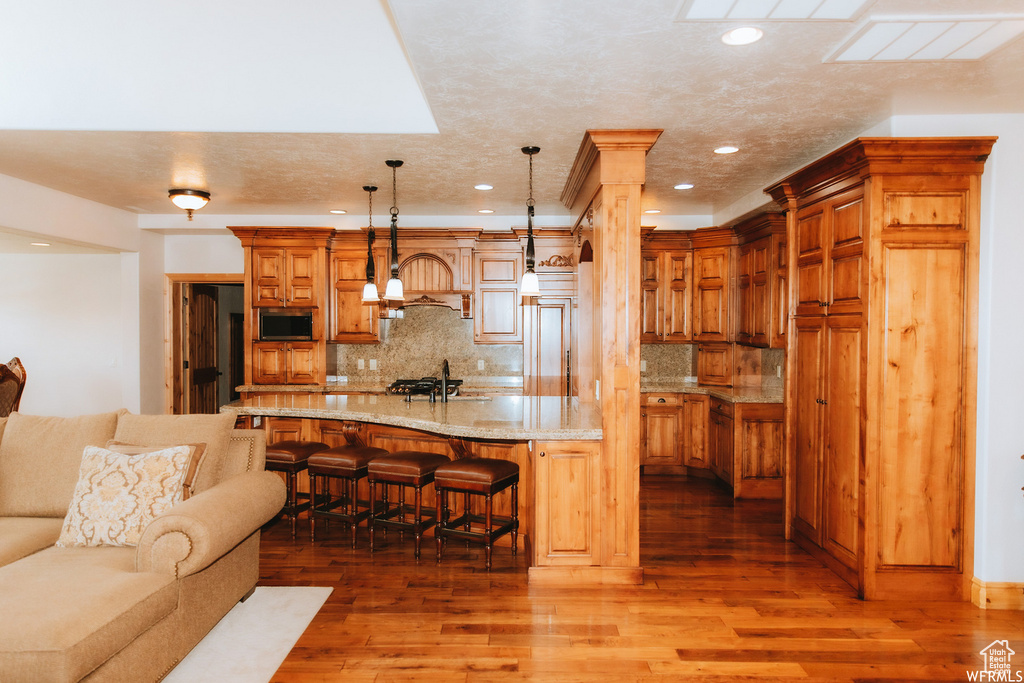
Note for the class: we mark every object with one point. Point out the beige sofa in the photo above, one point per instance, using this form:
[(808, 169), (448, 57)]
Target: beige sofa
[(123, 613)]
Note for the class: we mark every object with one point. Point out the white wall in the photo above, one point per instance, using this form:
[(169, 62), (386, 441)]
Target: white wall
[(62, 315)]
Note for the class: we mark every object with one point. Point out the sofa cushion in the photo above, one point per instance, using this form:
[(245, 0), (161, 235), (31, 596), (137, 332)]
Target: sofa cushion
[(174, 430), (76, 608), (21, 536), (118, 495), (40, 457)]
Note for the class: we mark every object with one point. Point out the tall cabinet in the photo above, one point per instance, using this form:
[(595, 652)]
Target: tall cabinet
[(880, 406)]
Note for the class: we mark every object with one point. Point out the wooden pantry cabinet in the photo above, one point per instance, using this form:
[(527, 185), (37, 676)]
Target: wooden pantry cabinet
[(666, 266), (761, 276), (882, 241)]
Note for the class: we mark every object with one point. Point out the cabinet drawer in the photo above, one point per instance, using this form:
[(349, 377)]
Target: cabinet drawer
[(721, 407), (664, 399)]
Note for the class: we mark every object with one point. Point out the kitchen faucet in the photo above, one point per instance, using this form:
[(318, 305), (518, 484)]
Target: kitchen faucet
[(445, 373)]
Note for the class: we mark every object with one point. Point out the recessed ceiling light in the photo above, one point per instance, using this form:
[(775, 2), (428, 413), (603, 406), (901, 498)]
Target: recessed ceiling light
[(727, 149), (683, 186), (483, 186), (486, 211), (338, 211), (652, 211), (744, 35), (40, 244)]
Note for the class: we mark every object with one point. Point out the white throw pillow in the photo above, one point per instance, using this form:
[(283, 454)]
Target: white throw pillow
[(118, 495)]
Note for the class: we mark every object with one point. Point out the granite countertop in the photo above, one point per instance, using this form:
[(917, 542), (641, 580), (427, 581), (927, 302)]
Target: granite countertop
[(512, 418), (470, 385), (749, 394)]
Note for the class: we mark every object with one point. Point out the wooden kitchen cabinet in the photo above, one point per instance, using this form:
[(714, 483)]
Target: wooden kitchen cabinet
[(883, 250), (287, 363), (666, 299), (779, 279), (746, 447), (498, 314), (759, 283), (696, 431), (567, 484), (721, 440), (287, 276), (661, 433), (349, 320), (713, 282)]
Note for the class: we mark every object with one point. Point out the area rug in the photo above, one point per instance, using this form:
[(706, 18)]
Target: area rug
[(251, 641)]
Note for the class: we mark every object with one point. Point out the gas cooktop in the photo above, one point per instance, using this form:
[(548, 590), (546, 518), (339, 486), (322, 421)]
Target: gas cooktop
[(424, 385)]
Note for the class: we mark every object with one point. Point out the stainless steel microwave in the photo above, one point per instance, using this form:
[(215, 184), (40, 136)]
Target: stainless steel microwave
[(285, 324)]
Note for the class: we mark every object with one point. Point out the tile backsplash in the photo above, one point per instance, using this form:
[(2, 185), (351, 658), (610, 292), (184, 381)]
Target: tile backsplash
[(416, 346)]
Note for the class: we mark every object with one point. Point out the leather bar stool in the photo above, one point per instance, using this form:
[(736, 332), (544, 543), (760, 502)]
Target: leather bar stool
[(476, 476), (349, 464), (403, 469), (291, 457)]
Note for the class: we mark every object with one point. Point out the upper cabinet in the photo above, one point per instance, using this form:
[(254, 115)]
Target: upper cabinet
[(287, 276), (666, 266), (714, 256), (349, 320), (498, 315), (760, 289)]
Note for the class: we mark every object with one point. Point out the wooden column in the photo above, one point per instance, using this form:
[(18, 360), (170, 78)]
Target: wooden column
[(603, 192)]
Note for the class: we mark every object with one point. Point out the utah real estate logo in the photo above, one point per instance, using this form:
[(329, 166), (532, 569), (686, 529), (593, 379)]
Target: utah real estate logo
[(997, 656)]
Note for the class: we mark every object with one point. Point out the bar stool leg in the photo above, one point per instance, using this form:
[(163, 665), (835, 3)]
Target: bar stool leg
[(312, 504), (442, 498), (417, 516), (373, 511), (488, 526), (515, 517), (293, 501)]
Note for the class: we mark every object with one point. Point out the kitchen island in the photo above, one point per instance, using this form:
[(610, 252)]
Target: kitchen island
[(555, 441)]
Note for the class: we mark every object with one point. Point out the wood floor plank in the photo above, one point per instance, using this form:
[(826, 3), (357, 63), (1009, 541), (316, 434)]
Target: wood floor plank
[(725, 598)]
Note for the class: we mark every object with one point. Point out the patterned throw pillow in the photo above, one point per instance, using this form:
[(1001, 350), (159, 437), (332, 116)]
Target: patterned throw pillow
[(118, 495), (195, 461)]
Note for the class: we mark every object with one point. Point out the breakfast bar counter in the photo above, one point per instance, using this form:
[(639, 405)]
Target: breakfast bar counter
[(491, 418)]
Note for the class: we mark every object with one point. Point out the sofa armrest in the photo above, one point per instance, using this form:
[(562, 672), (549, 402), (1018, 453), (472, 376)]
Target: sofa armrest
[(196, 532)]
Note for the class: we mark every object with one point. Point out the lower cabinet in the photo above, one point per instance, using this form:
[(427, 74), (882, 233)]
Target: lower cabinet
[(739, 443), (661, 433), (567, 484)]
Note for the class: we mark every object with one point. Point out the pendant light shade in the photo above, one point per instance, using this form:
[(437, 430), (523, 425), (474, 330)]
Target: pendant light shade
[(370, 295), (530, 286), (394, 290)]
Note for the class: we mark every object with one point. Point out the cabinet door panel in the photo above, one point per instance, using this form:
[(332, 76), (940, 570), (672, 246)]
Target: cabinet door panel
[(695, 430), (303, 280), (269, 363), (677, 297), (843, 450), (350, 320), (809, 347), (711, 269), (567, 484), (303, 363), (809, 269), (846, 252), (268, 275), (662, 430), (922, 440), (650, 313), (498, 313), (779, 275)]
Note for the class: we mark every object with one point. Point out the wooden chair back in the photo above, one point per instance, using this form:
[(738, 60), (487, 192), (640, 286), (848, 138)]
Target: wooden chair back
[(12, 384)]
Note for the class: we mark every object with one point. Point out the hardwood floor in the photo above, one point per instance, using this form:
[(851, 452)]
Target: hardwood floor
[(725, 598)]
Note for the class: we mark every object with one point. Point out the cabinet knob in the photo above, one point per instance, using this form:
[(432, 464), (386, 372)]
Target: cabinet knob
[(542, 454)]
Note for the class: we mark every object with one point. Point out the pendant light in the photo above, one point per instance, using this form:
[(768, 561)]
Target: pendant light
[(530, 285), (370, 295), (394, 290), (189, 200)]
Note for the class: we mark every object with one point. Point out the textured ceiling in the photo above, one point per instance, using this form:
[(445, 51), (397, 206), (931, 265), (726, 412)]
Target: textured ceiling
[(501, 75)]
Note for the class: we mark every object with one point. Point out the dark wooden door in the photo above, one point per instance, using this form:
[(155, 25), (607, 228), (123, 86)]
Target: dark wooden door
[(201, 340)]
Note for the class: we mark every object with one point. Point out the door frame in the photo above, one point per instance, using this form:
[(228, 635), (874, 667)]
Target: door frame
[(174, 341)]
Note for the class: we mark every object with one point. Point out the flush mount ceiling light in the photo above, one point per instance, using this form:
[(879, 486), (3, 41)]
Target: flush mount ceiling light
[(530, 285), (189, 200), (485, 211), (394, 290), (683, 186), (338, 212), (370, 295), (726, 149), (744, 35), (652, 211), (39, 244), (483, 186)]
